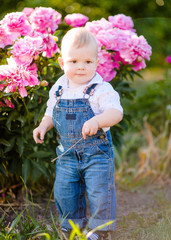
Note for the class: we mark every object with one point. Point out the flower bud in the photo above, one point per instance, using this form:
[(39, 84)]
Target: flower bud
[(43, 83)]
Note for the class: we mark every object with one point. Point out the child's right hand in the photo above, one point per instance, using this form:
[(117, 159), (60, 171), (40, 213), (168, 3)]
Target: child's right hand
[(39, 133)]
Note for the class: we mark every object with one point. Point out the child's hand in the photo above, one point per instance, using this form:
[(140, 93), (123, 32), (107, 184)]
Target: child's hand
[(39, 133), (45, 125), (90, 127)]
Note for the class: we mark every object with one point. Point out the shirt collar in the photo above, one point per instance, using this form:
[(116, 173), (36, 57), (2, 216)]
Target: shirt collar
[(96, 79)]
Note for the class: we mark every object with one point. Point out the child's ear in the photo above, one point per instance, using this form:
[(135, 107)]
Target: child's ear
[(61, 62)]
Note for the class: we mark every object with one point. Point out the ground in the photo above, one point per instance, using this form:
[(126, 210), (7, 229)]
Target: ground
[(137, 212)]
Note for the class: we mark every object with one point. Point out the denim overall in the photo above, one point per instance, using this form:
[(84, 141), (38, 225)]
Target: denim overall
[(87, 166)]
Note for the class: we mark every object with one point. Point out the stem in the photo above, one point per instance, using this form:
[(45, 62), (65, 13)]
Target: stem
[(28, 113)]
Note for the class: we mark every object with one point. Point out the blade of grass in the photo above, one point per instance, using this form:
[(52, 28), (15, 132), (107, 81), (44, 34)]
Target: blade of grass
[(46, 235), (48, 202), (16, 221), (98, 228)]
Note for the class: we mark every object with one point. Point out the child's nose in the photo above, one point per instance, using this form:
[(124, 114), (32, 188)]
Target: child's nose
[(81, 66)]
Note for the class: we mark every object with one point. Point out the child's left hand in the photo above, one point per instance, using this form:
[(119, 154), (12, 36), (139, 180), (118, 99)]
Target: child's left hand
[(90, 127)]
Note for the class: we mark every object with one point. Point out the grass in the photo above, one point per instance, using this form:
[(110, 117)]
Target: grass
[(160, 231), (154, 225), (151, 222), (146, 157), (26, 226)]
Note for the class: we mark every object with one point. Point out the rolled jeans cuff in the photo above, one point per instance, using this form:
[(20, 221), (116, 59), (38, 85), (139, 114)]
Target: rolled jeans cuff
[(81, 222), (98, 222)]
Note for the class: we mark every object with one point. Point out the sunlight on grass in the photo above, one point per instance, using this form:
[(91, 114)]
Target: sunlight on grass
[(152, 226), (160, 231)]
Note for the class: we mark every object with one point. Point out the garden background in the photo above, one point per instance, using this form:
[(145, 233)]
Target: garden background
[(142, 141)]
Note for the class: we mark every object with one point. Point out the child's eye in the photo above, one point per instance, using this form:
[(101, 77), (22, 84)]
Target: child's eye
[(74, 61), (88, 62)]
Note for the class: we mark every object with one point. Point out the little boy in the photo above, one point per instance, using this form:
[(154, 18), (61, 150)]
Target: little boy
[(82, 107)]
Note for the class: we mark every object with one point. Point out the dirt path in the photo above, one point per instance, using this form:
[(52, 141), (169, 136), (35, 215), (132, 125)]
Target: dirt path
[(135, 210), (141, 209)]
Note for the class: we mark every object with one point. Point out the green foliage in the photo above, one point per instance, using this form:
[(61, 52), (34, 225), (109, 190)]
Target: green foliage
[(83, 235), (153, 103), (122, 84), (26, 226), (18, 153), (147, 143)]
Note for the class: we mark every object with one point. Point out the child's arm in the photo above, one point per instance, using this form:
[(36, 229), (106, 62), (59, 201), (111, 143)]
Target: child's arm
[(39, 132), (108, 118)]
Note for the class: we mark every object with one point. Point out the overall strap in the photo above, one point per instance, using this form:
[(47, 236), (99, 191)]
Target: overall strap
[(89, 90), (59, 93)]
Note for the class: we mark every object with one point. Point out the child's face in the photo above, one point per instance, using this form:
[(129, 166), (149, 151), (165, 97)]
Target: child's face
[(79, 64)]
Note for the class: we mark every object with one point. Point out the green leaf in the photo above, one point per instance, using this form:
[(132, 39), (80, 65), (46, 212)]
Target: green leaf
[(72, 235), (2, 218), (40, 154), (4, 142), (12, 117), (58, 32), (12, 143), (118, 157), (168, 111), (98, 228), (42, 169), (46, 235), (21, 119), (20, 142), (75, 228), (35, 174), (26, 169), (53, 64), (2, 169), (16, 220)]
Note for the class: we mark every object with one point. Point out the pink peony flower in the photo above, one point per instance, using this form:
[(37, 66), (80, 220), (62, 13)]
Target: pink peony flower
[(17, 24), (106, 66), (2, 86), (113, 39), (168, 59), (138, 65), (33, 69), (2, 104), (28, 11), (5, 38), (121, 21), (95, 26), (117, 35), (45, 20), (17, 77), (135, 48), (3, 72), (76, 19), (49, 46), (9, 103), (26, 48)]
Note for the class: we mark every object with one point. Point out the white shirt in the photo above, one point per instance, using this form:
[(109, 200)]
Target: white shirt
[(104, 96)]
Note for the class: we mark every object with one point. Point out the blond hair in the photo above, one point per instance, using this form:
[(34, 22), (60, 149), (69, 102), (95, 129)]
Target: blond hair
[(78, 37)]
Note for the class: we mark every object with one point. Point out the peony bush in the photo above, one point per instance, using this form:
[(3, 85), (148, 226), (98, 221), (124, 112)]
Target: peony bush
[(29, 34), (29, 48)]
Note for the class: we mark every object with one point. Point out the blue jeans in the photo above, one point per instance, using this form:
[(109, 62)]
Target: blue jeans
[(88, 167)]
